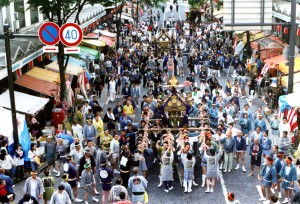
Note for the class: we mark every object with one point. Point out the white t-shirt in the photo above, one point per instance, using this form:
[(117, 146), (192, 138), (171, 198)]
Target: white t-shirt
[(7, 163), (78, 130), (33, 184)]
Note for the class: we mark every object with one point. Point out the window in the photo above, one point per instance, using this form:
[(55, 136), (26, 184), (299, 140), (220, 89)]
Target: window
[(20, 12), (34, 15)]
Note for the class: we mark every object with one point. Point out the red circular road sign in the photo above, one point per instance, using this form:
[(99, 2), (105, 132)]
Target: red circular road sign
[(70, 34), (49, 33)]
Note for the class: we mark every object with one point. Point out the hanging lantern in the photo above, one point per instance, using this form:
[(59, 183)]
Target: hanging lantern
[(285, 30), (278, 28), (298, 32)]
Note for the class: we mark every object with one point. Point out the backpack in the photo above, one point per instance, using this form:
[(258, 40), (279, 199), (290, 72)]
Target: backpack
[(47, 182)]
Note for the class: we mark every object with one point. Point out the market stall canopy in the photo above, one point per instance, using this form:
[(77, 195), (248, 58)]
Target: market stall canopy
[(285, 69), (108, 34), (218, 13), (91, 53), (296, 87), (44, 74), (274, 61), (25, 103), (268, 47), (108, 40), (71, 69), (93, 44), (73, 61), (38, 85)]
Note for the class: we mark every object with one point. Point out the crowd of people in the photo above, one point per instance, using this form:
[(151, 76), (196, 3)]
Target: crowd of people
[(120, 147)]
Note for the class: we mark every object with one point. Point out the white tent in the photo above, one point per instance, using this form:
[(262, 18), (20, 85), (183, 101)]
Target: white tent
[(6, 129), (24, 103)]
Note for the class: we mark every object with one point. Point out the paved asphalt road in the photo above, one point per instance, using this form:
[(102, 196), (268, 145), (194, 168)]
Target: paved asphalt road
[(236, 181)]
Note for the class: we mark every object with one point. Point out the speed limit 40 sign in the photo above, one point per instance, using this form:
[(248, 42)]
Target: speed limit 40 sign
[(70, 34)]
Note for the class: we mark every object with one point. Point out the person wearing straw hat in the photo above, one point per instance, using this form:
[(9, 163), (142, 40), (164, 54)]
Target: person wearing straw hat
[(87, 182), (34, 186), (268, 178), (288, 175)]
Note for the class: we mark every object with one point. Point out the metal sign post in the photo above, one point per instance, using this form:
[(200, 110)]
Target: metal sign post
[(7, 36), (292, 47)]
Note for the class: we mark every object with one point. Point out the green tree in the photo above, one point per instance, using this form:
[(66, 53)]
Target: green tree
[(196, 4), (4, 3), (59, 11)]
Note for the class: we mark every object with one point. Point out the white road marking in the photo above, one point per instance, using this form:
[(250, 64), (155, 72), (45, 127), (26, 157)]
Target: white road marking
[(259, 191), (225, 192), (179, 16)]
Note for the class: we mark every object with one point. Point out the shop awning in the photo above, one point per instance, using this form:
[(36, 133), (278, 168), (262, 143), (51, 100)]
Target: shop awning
[(273, 61), (93, 44), (108, 34), (84, 51), (285, 69), (296, 87), (218, 13), (38, 85), (73, 61), (71, 69), (25, 103), (44, 74), (109, 41)]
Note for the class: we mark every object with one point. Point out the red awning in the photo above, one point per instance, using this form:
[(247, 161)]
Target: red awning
[(273, 61), (109, 41), (38, 85)]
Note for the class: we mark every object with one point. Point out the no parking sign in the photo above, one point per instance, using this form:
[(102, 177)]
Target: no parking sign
[(70, 34)]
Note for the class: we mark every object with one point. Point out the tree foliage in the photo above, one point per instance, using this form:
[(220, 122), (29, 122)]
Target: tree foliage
[(196, 4), (4, 3), (60, 11)]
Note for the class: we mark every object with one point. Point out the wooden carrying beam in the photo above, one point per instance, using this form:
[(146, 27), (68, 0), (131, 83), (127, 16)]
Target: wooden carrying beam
[(174, 129)]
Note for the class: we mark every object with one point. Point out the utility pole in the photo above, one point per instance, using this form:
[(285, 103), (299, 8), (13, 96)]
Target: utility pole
[(292, 47), (7, 36)]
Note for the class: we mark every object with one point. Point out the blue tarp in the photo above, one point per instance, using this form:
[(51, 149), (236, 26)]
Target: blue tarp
[(73, 61), (283, 104)]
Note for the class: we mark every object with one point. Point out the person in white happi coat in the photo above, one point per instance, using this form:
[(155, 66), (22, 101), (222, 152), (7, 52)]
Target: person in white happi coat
[(34, 186), (284, 126), (60, 196), (167, 169)]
